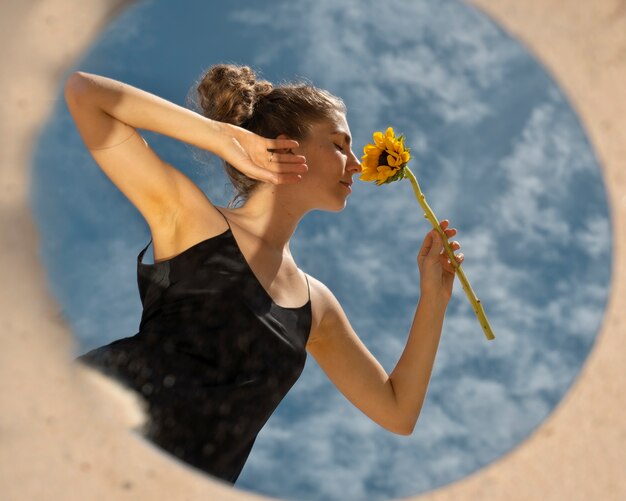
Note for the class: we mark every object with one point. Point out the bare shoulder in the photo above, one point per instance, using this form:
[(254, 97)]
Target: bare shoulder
[(193, 219), (325, 310)]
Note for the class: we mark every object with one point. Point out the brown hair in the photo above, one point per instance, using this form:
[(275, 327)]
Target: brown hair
[(232, 94)]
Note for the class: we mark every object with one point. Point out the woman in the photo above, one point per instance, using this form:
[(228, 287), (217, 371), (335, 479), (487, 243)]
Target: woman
[(228, 317)]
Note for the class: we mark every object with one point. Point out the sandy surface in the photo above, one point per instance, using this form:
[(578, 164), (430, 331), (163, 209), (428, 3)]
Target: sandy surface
[(66, 432)]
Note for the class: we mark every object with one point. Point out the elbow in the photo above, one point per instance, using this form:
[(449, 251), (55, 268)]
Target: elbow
[(404, 420), (407, 430), (407, 425), (402, 427), (74, 84), (411, 428)]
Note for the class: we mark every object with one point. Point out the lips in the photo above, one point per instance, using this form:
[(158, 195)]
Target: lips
[(347, 183)]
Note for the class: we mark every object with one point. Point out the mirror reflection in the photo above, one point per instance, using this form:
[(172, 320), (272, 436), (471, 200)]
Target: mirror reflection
[(499, 153), (227, 313)]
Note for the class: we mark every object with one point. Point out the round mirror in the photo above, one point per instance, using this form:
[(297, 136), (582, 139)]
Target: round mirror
[(497, 149)]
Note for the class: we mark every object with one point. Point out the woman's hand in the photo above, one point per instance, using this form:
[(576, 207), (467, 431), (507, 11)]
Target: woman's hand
[(259, 158), (436, 271)]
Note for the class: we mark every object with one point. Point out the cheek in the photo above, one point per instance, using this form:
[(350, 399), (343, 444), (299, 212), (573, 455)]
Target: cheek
[(322, 164)]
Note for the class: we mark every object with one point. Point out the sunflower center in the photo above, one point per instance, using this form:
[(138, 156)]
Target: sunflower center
[(382, 160)]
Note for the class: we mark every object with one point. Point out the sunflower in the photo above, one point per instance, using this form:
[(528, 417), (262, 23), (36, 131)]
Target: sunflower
[(384, 161)]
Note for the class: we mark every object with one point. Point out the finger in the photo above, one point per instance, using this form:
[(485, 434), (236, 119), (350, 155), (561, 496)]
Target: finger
[(444, 223), (426, 244), (277, 144), (286, 158), (287, 168), (272, 177), (437, 243), (447, 264)]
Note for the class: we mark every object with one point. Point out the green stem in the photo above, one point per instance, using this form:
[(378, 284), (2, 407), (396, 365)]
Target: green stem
[(430, 215)]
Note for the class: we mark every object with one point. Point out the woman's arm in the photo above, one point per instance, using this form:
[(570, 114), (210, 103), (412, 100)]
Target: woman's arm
[(107, 113), (139, 109), (347, 362), (393, 401), (412, 373)]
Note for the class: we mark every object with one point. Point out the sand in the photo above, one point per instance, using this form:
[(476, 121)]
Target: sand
[(66, 432)]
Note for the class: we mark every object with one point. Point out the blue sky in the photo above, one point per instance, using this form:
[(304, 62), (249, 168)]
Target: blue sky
[(497, 149)]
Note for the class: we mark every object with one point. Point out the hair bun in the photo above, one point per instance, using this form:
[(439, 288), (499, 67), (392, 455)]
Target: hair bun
[(228, 93), (232, 94), (262, 88)]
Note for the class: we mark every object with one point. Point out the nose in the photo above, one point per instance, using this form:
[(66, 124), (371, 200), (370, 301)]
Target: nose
[(354, 163)]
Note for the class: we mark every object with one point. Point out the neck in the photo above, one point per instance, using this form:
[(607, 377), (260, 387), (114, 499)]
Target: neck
[(273, 215)]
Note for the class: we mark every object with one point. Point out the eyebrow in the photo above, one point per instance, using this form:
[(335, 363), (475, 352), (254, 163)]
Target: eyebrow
[(348, 138)]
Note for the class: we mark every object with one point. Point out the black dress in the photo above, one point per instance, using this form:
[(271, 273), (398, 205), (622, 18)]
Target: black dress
[(214, 354)]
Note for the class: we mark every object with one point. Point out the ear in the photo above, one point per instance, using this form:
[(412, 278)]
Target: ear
[(284, 150)]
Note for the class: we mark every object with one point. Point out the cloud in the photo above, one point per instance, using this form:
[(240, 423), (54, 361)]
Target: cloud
[(503, 158), (593, 236), (390, 58)]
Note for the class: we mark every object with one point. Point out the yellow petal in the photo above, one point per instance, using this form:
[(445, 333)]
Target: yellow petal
[(366, 164), (368, 176), (378, 140), (373, 158), (369, 166), (386, 145), (384, 172)]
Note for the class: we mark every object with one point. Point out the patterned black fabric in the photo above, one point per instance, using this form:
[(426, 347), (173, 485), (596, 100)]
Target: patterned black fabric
[(214, 354)]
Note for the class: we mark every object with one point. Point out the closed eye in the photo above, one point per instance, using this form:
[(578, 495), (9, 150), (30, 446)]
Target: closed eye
[(339, 147)]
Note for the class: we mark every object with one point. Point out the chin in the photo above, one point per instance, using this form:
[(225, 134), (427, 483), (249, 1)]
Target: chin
[(333, 207), (336, 204), (341, 206)]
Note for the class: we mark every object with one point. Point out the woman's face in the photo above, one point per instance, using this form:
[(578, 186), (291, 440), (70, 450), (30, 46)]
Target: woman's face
[(331, 162)]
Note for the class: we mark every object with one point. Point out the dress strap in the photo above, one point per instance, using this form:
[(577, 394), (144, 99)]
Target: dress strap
[(143, 251), (222, 216), (305, 275)]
